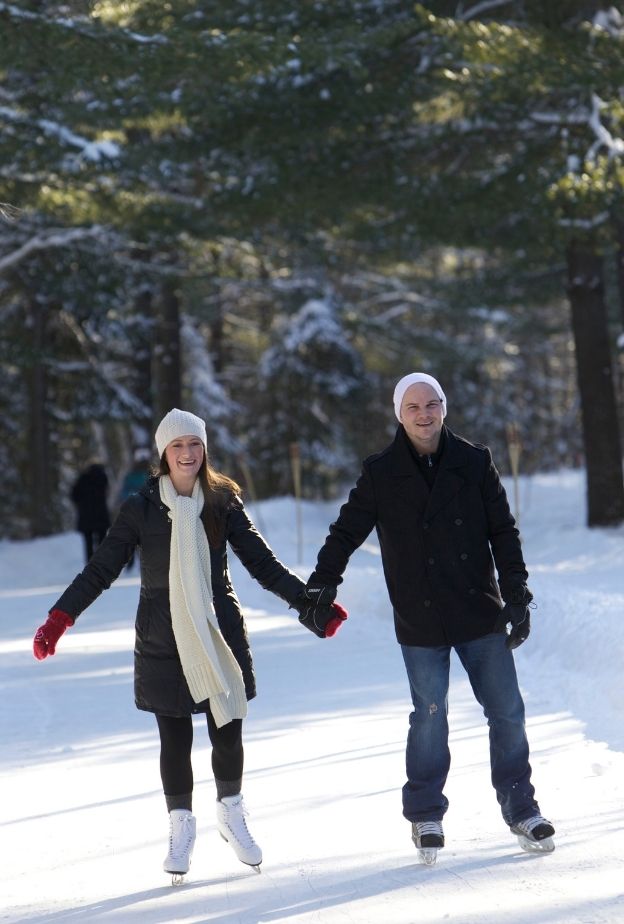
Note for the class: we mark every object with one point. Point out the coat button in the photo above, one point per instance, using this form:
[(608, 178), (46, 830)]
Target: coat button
[(425, 526), (472, 591), (458, 521), (426, 602), (431, 561), (464, 556)]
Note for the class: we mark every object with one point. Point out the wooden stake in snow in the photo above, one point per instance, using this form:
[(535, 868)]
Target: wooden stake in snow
[(514, 446), (295, 463)]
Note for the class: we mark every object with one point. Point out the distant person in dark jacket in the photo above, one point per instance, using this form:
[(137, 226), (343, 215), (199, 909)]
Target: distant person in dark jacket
[(445, 531), (192, 653), (134, 479), (89, 495)]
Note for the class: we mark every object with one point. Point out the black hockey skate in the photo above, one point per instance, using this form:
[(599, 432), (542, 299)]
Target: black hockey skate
[(428, 838), (535, 834)]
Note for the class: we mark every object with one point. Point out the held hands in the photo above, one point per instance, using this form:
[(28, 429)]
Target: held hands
[(47, 635), (324, 621), (317, 610)]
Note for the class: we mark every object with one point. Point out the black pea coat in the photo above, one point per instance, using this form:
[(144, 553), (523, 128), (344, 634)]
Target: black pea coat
[(159, 683), (439, 549)]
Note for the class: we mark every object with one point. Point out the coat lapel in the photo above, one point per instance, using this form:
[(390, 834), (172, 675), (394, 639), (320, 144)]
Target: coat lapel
[(449, 480), (409, 485)]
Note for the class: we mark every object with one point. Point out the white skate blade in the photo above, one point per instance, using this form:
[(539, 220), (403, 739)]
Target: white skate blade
[(177, 879), (547, 845), (427, 855)]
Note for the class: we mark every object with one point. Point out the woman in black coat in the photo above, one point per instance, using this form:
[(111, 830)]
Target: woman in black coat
[(192, 653)]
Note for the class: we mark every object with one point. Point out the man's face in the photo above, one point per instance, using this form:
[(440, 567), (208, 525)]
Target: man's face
[(421, 416)]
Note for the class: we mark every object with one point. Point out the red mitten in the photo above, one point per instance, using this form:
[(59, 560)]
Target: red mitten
[(47, 635), (336, 621)]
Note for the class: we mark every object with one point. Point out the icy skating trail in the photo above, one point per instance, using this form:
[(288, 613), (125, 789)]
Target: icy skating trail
[(82, 818)]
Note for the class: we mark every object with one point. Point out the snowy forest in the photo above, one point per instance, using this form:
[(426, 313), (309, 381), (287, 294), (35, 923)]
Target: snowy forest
[(267, 212)]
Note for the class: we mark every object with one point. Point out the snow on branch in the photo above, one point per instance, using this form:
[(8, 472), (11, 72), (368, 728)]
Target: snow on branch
[(604, 138), (483, 7), (62, 237), (611, 21), (9, 212), (81, 25), (16, 13), (557, 118), (591, 118), (90, 150), (586, 224)]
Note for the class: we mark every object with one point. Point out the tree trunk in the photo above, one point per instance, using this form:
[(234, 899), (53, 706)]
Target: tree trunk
[(166, 374), (39, 466), (619, 257), (217, 342), (143, 307), (601, 438), (619, 368)]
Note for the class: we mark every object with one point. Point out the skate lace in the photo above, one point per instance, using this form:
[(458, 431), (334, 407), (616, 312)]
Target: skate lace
[(529, 824), (238, 826), (428, 827), (180, 837)]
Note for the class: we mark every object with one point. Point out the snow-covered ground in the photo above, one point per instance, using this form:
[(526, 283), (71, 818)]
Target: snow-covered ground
[(82, 818)]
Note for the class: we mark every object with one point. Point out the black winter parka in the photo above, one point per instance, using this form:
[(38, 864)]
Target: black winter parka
[(143, 522), (439, 548)]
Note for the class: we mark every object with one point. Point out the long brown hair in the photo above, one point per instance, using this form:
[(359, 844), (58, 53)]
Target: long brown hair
[(219, 489)]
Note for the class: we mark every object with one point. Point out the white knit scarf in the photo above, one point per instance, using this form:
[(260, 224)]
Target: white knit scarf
[(210, 668)]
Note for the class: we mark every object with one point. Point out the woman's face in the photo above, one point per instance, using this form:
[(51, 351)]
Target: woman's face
[(185, 456)]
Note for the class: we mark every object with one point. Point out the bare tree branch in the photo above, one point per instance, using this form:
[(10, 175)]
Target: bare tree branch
[(61, 237), (9, 212), (482, 7)]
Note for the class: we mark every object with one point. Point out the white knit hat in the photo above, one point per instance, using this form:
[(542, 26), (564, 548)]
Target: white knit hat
[(179, 423), (412, 379)]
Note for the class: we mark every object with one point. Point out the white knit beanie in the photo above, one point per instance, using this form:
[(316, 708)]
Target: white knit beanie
[(179, 423), (412, 379)]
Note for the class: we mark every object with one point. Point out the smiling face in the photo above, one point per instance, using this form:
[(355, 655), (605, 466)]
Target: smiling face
[(422, 417), (184, 456)]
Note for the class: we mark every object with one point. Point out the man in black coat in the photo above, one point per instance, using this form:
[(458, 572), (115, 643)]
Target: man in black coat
[(446, 532)]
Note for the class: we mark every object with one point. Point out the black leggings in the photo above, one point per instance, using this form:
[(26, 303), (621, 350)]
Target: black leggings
[(176, 741)]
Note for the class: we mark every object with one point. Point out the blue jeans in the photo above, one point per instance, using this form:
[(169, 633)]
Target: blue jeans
[(492, 674)]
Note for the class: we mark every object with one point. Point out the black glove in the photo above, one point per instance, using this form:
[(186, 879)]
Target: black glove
[(324, 619), (320, 594), (518, 615)]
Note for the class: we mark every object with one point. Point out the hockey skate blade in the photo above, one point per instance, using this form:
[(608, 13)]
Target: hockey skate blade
[(428, 855), (177, 879), (547, 845)]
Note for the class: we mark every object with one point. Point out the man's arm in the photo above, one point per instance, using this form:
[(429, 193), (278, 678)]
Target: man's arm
[(356, 519), (317, 609)]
